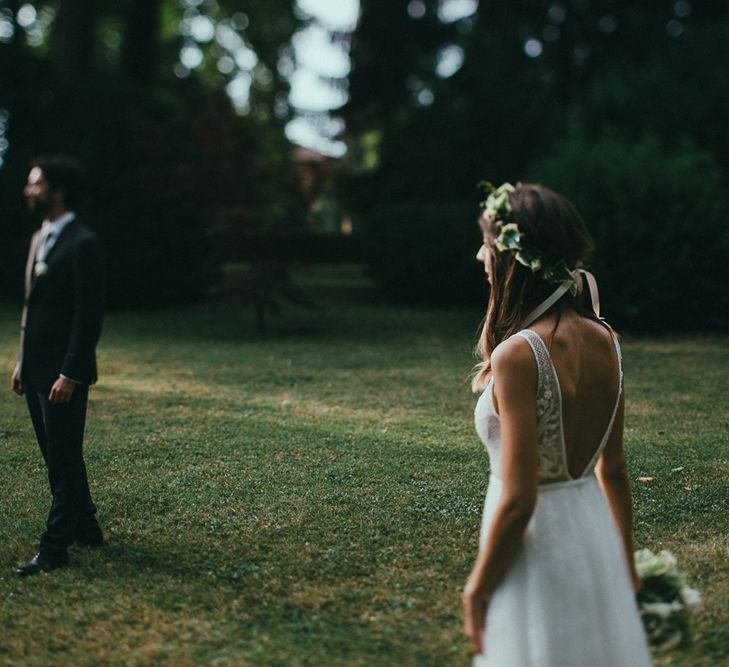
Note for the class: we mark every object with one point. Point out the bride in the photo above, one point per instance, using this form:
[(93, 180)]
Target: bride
[(554, 582)]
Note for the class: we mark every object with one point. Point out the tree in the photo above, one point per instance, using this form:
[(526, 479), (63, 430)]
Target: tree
[(173, 166), (141, 41), (531, 80), (72, 39)]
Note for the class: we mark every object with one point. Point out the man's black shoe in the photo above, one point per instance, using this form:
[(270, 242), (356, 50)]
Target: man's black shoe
[(93, 538), (42, 563)]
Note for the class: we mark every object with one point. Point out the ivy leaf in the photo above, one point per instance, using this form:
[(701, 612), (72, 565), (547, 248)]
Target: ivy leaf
[(509, 238), (529, 258)]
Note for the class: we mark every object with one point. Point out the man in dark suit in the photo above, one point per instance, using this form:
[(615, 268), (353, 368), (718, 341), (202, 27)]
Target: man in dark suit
[(60, 327)]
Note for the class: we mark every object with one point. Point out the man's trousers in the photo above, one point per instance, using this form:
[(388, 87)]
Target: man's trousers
[(59, 429)]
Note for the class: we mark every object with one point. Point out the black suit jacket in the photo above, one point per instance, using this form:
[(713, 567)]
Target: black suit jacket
[(63, 308)]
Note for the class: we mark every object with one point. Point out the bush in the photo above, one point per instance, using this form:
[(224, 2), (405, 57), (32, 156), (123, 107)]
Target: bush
[(659, 221), (298, 247), (425, 253), (173, 173), (155, 254)]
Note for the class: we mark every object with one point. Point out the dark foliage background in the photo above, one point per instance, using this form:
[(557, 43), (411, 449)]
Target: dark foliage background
[(174, 171), (621, 108)]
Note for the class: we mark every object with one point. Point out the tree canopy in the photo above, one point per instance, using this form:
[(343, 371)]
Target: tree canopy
[(542, 91), (177, 108)]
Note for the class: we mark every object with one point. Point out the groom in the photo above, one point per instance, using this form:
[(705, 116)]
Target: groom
[(60, 326)]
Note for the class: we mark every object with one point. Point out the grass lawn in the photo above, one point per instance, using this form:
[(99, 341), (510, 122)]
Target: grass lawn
[(313, 497)]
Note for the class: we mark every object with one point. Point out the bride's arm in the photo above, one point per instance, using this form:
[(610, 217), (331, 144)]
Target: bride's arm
[(515, 380), (613, 476)]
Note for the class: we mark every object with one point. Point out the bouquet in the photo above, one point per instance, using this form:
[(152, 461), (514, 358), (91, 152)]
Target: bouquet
[(665, 600)]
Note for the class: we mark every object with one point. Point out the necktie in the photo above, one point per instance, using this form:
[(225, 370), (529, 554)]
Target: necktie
[(45, 242)]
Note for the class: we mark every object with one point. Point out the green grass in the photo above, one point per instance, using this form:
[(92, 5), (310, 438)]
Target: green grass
[(313, 497)]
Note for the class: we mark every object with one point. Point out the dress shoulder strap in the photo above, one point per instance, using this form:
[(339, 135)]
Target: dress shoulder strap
[(609, 428), (541, 355), (619, 354), (550, 430)]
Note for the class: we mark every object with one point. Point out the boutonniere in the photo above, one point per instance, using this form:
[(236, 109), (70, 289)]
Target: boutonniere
[(40, 269)]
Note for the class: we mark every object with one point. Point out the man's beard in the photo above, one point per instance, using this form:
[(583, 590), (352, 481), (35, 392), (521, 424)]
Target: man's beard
[(38, 207)]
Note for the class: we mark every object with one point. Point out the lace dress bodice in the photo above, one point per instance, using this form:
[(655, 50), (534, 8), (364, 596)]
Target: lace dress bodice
[(550, 430)]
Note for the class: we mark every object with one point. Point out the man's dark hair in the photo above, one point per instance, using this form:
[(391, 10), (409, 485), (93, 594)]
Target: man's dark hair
[(65, 173)]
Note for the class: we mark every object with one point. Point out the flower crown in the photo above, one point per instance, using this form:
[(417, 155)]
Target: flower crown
[(497, 209)]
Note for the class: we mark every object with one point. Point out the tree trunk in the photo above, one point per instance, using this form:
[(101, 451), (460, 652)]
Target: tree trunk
[(72, 39), (139, 50)]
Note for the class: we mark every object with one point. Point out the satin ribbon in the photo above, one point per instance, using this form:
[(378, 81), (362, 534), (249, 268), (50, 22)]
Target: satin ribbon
[(580, 276)]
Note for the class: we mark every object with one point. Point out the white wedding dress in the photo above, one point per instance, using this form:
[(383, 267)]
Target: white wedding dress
[(566, 600)]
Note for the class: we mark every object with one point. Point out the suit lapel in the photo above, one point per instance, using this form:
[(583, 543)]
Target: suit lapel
[(64, 236)]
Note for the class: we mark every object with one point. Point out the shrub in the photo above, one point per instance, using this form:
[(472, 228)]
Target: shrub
[(424, 253), (659, 221)]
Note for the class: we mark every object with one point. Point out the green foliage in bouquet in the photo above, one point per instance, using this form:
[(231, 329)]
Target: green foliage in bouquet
[(665, 600)]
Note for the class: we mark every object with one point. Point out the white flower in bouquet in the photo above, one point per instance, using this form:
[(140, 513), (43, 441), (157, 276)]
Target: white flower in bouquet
[(691, 598), (661, 609), (664, 599), (649, 564)]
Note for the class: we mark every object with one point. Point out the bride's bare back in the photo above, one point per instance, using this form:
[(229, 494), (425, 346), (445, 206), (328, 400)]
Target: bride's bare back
[(587, 367)]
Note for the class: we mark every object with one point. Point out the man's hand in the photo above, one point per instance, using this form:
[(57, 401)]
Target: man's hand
[(16, 382), (61, 391)]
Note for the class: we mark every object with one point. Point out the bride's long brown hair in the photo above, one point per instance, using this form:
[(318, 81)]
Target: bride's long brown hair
[(549, 222)]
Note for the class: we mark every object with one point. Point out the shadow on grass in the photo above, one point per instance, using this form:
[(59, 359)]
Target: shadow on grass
[(216, 321)]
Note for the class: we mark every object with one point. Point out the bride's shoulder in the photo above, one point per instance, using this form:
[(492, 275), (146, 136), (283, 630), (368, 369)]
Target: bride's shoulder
[(586, 339), (513, 355), (599, 334)]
